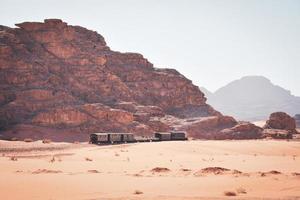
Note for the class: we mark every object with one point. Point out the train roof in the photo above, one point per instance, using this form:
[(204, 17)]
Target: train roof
[(178, 131), (111, 133), (163, 133)]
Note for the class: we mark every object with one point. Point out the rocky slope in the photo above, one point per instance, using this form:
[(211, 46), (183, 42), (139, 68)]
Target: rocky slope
[(297, 120), (62, 82), (253, 98), (281, 121), (280, 125)]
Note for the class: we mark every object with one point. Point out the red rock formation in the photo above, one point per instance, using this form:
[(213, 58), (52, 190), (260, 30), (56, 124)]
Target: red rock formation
[(66, 81), (281, 120), (243, 130), (297, 120)]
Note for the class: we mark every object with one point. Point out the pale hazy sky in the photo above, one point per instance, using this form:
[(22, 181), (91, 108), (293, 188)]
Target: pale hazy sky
[(211, 42)]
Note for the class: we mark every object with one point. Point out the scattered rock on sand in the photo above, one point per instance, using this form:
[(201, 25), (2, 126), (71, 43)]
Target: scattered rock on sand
[(138, 192), (272, 172), (13, 158), (241, 190), (214, 170), (296, 174), (88, 159), (46, 141), (28, 140), (52, 159), (93, 171), (160, 169), (229, 193), (185, 170), (46, 171)]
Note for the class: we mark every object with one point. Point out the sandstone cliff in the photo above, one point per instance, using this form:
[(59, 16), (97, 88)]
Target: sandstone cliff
[(63, 82)]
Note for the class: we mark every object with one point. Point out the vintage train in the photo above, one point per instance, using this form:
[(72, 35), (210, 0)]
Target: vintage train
[(111, 138)]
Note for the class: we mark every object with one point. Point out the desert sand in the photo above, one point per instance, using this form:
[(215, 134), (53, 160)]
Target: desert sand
[(190, 170)]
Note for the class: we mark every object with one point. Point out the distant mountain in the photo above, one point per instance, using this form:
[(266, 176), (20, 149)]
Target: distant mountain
[(253, 98), (208, 94)]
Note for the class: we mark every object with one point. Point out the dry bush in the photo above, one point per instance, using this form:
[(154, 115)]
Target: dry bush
[(14, 139), (185, 170), (160, 169), (88, 159), (28, 140), (46, 141), (13, 158), (229, 193), (241, 190), (116, 154), (46, 171), (137, 175), (274, 172), (138, 192), (53, 159), (214, 170), (76, 142), (93, 171)]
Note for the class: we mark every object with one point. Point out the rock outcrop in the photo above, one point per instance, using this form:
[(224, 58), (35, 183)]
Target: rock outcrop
[(297, 120), (281, 121), (243, 130), (63, 82)]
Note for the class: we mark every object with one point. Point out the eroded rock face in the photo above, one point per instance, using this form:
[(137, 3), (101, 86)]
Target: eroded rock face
[(281, 120), (63, 82), (243, 130), (297, 120), (201, 127)]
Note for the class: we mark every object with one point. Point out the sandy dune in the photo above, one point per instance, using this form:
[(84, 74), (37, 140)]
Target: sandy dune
[(163, 170)]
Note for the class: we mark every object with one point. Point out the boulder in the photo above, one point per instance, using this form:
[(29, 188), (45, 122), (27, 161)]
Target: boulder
[(277, 134), (243, 130), (282, 121), (297, 120)]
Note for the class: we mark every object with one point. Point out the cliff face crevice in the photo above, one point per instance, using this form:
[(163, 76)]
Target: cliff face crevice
[(63, 82)]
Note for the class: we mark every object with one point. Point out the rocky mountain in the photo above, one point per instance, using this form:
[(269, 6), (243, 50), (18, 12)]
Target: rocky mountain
[(253, 98), (63, 82), (297, 120)]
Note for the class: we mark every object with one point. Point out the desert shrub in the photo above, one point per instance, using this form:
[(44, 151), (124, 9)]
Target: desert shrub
[(93, 171), (138, 192), (88, 159), (13, 158), (28, 140), (46, 141), (14, 139), (241, 190), (52, 159), (160, 169), (229, 193)]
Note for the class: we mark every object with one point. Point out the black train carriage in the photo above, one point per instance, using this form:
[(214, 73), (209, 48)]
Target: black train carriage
[(96, 138), (163, 136), (128, 137), (178, 135), (174, 135)]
